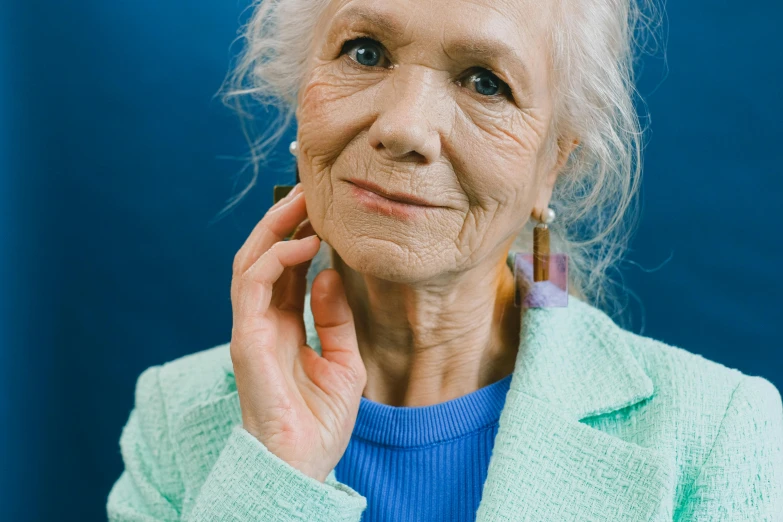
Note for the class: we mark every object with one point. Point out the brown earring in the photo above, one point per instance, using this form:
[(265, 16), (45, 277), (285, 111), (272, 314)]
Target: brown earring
[(546, 273), (281, 191), (541, 246)]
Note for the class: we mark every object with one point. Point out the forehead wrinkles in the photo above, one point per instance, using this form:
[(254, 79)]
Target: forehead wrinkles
[(390, 22), (424, 23)]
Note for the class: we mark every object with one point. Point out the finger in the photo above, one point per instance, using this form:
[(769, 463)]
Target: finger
[(304, 229), (274, 226), (289, 292), (292, 296), (335, 326), (293, 192), (252, 290)]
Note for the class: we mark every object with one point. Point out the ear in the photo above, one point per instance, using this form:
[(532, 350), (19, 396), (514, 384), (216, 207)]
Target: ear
[(565, 145)]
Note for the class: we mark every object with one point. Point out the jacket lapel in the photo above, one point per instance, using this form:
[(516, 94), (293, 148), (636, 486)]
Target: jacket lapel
[(573, 363)]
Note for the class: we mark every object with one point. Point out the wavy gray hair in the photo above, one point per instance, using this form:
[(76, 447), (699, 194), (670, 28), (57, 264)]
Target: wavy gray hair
[(592, 45)]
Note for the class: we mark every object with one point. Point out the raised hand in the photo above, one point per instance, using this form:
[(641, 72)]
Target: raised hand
[(300, 405)]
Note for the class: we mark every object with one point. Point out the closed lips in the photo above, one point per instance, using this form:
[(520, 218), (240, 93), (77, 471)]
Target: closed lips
[(394, 196)]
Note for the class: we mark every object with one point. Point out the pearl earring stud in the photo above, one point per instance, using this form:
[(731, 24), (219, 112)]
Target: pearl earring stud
[(548, 216)]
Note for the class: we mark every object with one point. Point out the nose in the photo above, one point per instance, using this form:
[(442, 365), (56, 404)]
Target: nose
[(406, 126)]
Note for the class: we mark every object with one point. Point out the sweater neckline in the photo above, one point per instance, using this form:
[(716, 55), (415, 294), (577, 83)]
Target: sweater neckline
[(412, 426)]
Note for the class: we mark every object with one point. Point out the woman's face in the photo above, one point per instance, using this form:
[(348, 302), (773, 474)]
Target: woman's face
[(444, 100)]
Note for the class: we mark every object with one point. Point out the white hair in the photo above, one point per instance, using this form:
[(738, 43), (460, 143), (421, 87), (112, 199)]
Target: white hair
[(592, 45)]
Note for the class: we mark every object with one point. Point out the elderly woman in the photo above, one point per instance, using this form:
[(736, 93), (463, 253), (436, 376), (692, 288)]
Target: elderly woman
[(403, 381)]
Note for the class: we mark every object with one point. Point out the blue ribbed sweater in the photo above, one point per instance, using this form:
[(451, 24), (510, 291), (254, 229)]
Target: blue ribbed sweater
[(423, 463)]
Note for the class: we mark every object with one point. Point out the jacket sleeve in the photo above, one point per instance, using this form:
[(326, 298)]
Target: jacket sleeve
[(742, 476), (246, 483)]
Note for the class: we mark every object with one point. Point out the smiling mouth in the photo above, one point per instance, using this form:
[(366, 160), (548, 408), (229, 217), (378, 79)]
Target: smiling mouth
[(393, 196)]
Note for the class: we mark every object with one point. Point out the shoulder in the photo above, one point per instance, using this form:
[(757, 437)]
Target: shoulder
[(681, 377), (192, 379), (704, 417), (691, 397), (692, 380), (723, 429), (706, 407), (159, 467), (199, 377)]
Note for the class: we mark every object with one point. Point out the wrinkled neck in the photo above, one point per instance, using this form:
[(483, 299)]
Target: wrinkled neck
[(429, 342)]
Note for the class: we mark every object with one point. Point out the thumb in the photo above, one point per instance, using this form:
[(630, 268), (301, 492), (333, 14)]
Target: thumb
[(335, 325)]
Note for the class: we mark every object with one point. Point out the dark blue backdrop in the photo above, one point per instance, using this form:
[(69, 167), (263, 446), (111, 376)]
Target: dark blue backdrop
[(114, 160)]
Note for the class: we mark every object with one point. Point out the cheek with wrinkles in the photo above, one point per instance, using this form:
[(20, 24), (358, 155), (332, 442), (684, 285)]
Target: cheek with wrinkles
[(492, 160), (327, 87), (320, 197), (510, 130), (329, 118)]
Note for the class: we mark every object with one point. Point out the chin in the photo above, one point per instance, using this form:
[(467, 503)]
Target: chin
[(388, 259)]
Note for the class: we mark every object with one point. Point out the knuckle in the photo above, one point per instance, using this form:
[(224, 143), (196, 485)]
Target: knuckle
[(236, 351), (353, 376), (275, 249), (242, 279), (237, 289), (238, 340), (362, 379), (244, 344), (238, 263)]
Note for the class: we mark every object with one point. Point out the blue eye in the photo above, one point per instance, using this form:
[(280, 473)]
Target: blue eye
[(368, 51), (487, 83)]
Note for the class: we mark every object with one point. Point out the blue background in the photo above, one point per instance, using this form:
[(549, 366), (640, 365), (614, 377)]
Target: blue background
[(115, 158)]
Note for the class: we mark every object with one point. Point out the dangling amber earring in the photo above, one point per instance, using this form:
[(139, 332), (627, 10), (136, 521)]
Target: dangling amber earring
[(281, 191), (545, 273)]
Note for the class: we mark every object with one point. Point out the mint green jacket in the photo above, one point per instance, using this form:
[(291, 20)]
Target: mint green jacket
[(599, 424)]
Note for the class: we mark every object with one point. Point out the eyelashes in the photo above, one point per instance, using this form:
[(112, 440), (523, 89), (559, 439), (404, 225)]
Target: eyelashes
[(368, 52)]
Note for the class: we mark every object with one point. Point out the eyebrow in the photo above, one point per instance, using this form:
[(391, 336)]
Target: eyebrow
[(484, 49), (375, 18)]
